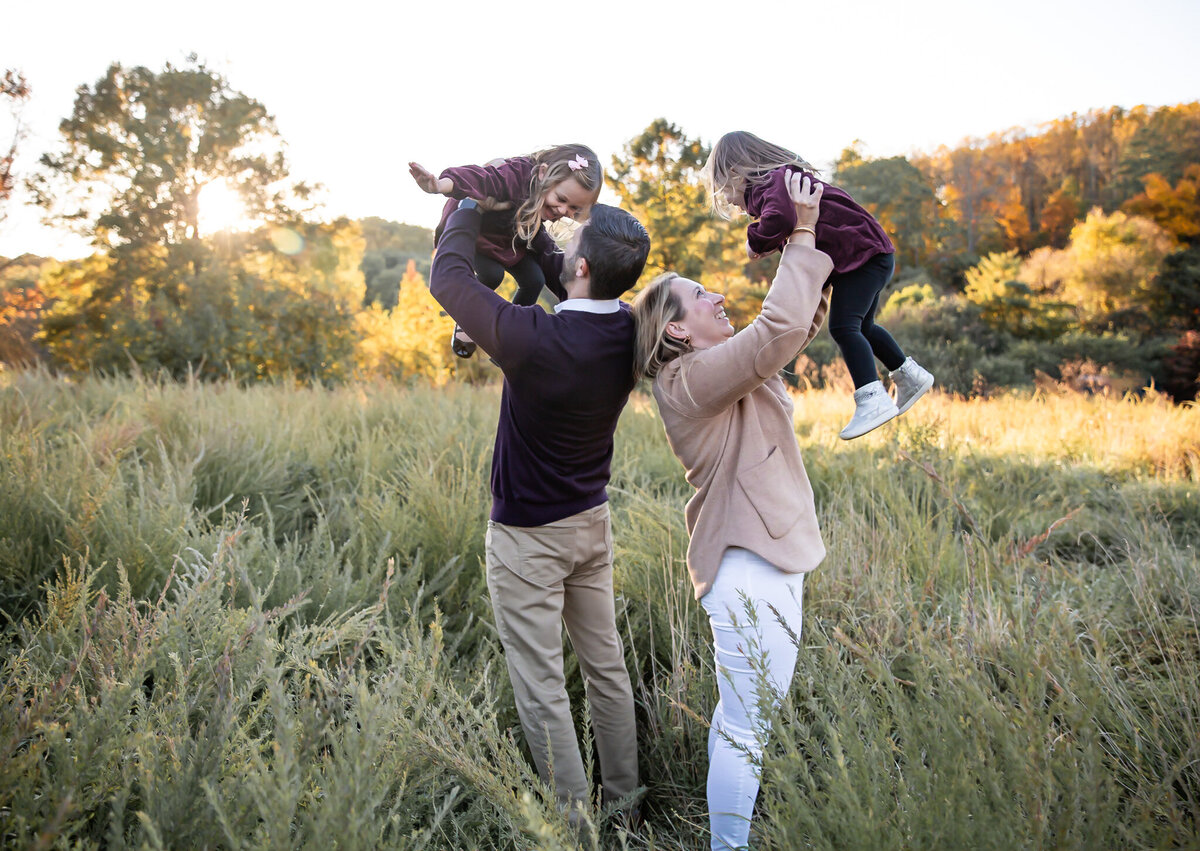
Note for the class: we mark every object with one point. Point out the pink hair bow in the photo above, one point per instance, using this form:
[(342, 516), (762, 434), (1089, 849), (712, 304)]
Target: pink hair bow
[(577, 163)]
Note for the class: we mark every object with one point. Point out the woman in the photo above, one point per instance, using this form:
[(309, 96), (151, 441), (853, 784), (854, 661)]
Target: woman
[(752, 522)]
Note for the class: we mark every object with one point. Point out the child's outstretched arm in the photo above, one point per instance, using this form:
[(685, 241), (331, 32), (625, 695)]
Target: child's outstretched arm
[(505, 181), (430, 182)]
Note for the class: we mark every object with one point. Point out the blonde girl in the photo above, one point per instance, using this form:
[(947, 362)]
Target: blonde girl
[(522, 193), (747, 173)]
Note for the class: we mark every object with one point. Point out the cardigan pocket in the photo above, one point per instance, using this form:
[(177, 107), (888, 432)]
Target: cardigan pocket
[(772, 490)]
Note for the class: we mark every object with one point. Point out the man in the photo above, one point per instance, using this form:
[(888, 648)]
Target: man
[(567, 375)]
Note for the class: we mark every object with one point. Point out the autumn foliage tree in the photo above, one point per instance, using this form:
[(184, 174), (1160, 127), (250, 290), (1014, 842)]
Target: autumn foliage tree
[(21, 304), (14, 89), (1176, 209), (1115, 258), (409, 341)]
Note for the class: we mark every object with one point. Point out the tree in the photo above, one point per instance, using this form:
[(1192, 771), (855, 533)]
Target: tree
[(657, 179), (137, 150), (1181, 367), (15, 89), (141, 145), (986, 279), (898, 195), (1174, 297), (251, 312), (1115, 258), (390, 247), (965, 180), (410, 341), (1175, 209), (1014, 220), (1165, 142), (21, 305), (1060, 212), (1008, 304)]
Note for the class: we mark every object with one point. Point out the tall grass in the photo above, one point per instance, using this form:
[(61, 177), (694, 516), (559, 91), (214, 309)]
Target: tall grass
[(256, 618)]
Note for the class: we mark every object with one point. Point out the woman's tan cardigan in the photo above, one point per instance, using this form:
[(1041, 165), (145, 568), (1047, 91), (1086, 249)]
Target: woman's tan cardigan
[(729, 420)]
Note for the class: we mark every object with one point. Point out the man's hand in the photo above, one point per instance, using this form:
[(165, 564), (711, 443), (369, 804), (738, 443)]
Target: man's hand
[(489, 203), (750, 252)]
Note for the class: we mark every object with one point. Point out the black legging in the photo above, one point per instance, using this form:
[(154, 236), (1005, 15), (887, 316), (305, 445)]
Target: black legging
[(527, 273), (852, 325)]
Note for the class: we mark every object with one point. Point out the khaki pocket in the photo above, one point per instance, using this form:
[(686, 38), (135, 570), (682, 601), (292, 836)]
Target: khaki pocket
[(774, 491), (541, 555)]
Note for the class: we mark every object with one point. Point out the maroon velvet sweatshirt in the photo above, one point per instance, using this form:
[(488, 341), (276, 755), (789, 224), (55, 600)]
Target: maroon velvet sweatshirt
[(508, 181), (567, 376), (845, 231)]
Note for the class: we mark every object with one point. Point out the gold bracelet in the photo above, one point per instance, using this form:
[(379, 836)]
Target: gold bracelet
[(805, 229)]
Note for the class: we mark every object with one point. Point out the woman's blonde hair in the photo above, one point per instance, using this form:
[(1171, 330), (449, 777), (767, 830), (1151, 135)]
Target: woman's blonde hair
[(654, 308), (740, 160), (561, 162)]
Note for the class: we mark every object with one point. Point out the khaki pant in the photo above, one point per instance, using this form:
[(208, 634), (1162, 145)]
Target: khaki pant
[(539, 578)]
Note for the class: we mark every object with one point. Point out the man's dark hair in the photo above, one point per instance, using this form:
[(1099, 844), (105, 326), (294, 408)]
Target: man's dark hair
[(615, 246)]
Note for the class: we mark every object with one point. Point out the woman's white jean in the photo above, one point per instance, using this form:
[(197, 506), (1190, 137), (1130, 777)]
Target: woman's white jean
[(754, 609)]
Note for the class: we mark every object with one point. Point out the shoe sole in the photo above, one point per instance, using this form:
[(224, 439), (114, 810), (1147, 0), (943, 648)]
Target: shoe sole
[(846, 434), (462, 348), (921, 391)]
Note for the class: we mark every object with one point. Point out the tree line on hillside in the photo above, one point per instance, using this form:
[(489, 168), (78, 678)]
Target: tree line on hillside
[(1070, 251)]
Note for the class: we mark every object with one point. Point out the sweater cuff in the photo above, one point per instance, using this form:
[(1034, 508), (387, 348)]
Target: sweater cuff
[(470, 217)]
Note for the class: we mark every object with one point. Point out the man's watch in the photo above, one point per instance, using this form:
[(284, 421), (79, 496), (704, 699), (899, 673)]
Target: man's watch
[(468, 204)]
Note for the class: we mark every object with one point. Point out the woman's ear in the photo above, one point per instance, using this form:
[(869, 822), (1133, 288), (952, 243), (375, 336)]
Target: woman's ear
[(542, 172), (676, 331)]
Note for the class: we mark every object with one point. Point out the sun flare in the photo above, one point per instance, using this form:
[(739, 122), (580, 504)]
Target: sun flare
[(221, 209)]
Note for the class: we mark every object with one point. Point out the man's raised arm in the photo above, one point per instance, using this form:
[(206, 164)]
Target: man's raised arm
[(478, 310)]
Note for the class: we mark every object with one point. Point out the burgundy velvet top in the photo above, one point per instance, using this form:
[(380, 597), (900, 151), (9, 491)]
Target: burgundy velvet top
[(845, 231), (508, 181)]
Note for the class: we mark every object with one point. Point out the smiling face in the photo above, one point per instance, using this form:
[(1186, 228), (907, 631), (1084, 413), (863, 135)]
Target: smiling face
[(704, 320), (567, 198)]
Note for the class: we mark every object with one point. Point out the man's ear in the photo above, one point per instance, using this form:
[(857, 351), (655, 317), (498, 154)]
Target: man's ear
[(581, 267)]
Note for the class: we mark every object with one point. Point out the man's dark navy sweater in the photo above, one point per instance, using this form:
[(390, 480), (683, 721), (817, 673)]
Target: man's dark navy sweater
[(566, 378)]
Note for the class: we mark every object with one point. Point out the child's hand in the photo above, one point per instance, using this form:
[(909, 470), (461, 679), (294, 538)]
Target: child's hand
[(750, 252), (425, 178)]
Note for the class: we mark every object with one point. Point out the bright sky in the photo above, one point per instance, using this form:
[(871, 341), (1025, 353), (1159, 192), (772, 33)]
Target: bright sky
[(358, 88)]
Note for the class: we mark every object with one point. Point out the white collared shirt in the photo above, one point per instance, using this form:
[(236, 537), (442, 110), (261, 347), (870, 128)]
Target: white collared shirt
[(589, 305)]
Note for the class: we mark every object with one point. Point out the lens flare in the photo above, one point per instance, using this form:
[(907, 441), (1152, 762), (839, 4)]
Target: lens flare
[(287, 241)]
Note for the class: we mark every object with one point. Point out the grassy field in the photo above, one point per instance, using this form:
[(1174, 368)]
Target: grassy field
[(257, 618)]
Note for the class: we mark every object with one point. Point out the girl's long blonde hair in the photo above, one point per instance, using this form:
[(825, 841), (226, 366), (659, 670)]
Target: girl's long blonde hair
[(740, 160), (654, 308), (558, 161)]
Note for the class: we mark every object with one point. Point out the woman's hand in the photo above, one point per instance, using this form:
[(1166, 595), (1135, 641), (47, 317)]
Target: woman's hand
[(428, 181), (806, 195)]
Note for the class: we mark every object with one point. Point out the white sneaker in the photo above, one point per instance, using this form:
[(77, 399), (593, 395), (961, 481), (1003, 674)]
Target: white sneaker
[(912, 381), (872, 408)]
